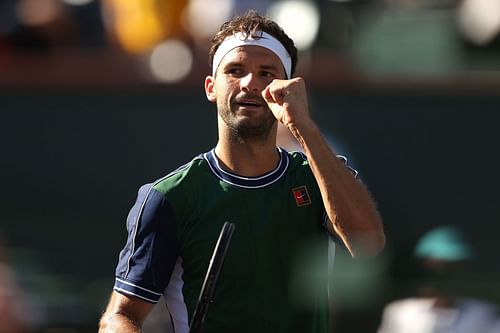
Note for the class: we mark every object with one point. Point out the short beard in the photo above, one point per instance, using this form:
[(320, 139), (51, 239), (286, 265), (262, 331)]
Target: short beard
[(241, 131)]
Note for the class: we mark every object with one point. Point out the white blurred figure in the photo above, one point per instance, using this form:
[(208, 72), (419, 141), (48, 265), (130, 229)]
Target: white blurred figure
[(437, 307)]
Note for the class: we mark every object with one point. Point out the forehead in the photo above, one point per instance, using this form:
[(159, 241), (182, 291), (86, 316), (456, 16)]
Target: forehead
[(252, 54)]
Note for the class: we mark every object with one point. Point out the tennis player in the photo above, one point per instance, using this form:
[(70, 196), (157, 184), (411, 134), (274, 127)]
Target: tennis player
[(282, 204)]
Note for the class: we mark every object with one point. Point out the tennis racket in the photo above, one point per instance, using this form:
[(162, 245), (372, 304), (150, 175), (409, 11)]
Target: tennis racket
[(210, 282)]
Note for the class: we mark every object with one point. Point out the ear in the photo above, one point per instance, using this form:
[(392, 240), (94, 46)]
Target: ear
[(210, 88)]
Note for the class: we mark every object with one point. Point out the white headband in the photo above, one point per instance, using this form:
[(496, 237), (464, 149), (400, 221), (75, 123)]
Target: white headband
[(264, 40)]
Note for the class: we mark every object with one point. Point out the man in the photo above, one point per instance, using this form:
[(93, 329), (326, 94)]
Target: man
[(280, 203), (443, 301)]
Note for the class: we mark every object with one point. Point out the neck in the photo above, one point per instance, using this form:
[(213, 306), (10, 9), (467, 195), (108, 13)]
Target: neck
[(247, 159)]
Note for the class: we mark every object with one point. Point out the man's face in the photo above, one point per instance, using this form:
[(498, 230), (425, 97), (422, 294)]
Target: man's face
[(240, 78)]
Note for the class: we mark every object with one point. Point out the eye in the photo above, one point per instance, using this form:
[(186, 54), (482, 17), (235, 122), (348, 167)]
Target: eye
[(268, 74), (235, 71)]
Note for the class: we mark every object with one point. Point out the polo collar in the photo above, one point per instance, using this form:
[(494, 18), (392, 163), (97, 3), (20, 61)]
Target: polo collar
[(248, 182)]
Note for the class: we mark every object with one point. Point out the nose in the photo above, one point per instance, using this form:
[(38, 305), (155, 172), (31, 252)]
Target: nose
[(249, 83)]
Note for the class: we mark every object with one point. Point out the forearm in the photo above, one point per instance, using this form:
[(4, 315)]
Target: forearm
[(349, 206), (124, 314), (118, 323)]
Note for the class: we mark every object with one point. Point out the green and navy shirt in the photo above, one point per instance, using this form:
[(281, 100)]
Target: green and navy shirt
[(274, 277)]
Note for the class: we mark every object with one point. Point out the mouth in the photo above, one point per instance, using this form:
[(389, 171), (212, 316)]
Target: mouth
[(249, 103)]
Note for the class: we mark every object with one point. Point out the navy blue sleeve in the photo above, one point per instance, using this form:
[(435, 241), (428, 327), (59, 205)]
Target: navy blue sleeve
[(149, 256)]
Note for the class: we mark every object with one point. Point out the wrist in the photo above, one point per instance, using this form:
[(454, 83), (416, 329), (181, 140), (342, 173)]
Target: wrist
[(302, 125)]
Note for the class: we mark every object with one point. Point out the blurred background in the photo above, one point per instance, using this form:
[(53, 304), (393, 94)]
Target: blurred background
[(99, 97)]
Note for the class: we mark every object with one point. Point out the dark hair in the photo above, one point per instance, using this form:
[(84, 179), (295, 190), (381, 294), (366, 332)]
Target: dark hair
[(249, 23)]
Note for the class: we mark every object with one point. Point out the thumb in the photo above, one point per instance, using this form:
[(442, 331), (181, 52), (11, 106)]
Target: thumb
[(266, 94), (273, 96)]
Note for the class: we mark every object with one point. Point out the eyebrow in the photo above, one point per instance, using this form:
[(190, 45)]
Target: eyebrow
[(270, 67), (239, 64), (232, 64)]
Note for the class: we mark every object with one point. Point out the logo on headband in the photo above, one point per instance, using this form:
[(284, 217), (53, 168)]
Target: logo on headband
[(263, 40)]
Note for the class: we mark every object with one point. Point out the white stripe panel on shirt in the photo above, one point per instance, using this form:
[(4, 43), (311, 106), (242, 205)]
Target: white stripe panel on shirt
[(175, 300), (138, 287), (132, 294)]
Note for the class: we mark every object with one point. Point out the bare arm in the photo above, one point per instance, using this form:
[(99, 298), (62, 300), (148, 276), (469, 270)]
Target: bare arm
[(124, 314), (350, 208)]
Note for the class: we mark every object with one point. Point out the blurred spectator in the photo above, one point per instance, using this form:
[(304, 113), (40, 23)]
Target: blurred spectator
[(12, 310), (137, 26), (43, 25), (439, 305)]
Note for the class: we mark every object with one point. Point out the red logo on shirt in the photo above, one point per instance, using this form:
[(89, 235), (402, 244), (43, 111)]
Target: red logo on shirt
[(301, 196)]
